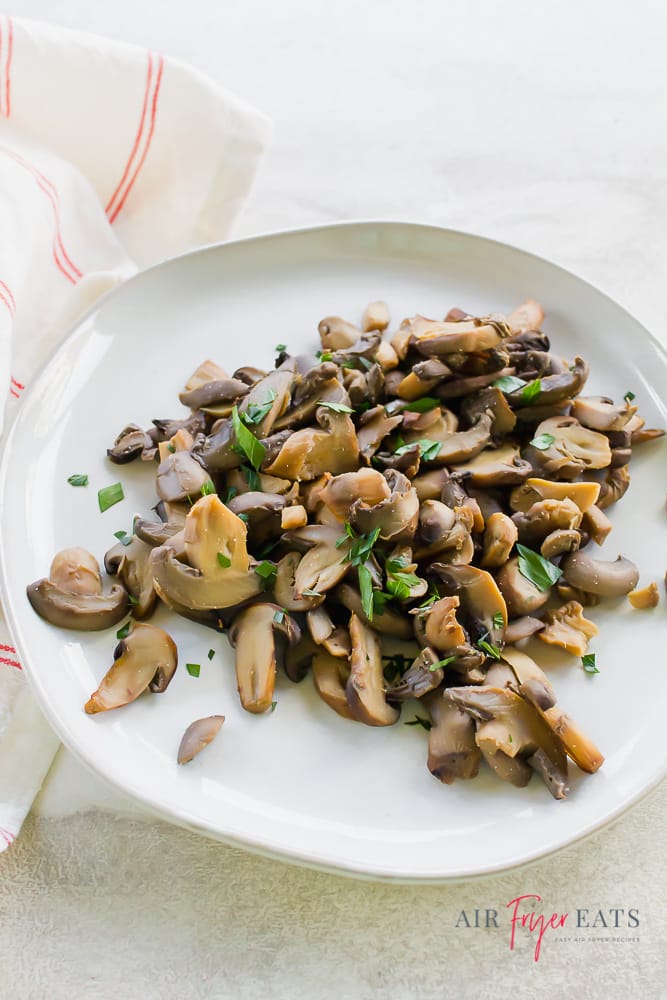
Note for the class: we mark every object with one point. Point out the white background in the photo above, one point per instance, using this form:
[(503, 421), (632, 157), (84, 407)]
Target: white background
[(540, 124)]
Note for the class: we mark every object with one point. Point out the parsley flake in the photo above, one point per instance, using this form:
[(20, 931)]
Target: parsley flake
[(543, 441), (110, 495), (224, 560), (193, 669), (336, 407), (588, 663), (253, 449), (79, 479)]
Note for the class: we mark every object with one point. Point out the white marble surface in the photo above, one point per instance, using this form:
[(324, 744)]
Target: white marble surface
[(541, 125)]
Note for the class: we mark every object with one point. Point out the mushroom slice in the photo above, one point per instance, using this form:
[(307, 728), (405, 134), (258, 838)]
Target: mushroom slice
[(71, 596), (298, 659), (462, 446), (336, 334), (514, 770), (452, 751), (376, 316), (132, 564), (330, 675), (500, 535), (323, 565), (207, 371), (437, 625), (366, 485), (129, 444), (506, 722), (198, 735), (578, 747), (597, 524), (553, 778), (284, 586), (263, 512), (365, 688), (396, 516), (560, 541), (219, 574), (555, 388), (423, 675), (145, 655), (387, 621), (502, 466), (272, 391), (493, 400), (433, 337), (614, 485), (155, 533), (520, 593), (599, 413), (584, 495), (544, 517), (528, 316), (483, 608), (574, 448), (180, 476), (320, 625), (596, 576), (567, 628), (647, 597), (373, 431), (293, 517), (311, 452), (532, 677), (254, 634), (212, 393)]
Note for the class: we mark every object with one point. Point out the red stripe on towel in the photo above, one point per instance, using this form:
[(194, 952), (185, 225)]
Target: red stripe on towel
[(7, 836), (137, 138), (9, 649), (10, 663), (153, 117), (8, 297), (8, 67)]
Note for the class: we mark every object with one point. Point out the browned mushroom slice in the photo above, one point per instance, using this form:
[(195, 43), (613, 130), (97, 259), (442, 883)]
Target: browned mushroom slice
[(365, 688), (263, 513), (528, 316), (520, 593), (597, 524), (522, 628), (254, 634), (553, 777), (577, 746), (180, 476), (560, 541), (396, 516), (319, 624), (366, 485), (437, 625), (532, 677), (515, 770), (373, 430), (423, 675), (225, 390), (489, 399), (614, 484), (452, 751), (433, 337), (596, 576), (146, 654), (323, 565), (155, 533), (502, 466), (336, 334), (311, 452), (385, 620), (429, 484), (599, 413), (508, 724), (130, 443), (376, 316), (584, 495), (566, 627), (330, 674), (500, 535), (461, 445), (268, 399), (198, 735), (647, 597), (441, 530), (544, 517), (71, 596), (483, 607), (132, 563), (284, 586), (574, 448), (219, 574)]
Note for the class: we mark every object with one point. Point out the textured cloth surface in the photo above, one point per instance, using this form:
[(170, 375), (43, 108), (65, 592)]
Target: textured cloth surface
[(111, 157), (116, 908)]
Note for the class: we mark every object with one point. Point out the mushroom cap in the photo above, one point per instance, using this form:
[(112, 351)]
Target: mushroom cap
[(132, 564), (145, 654), (365, 688), (574, 449), (71, 597), (597, 576), (253, 634), (198, 735), (330, 674), (521, 595), (452, 751)]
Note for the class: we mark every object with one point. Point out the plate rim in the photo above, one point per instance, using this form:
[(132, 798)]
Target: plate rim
[(182, 818)]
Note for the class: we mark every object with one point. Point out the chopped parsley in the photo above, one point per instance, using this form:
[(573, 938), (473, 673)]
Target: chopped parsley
[(588, 663), (422, 405), (124, 630), (224, 560), (253, 449), (257, 411), (543, 441), (419, 721), (531, 391), (78, 479), (267, 571), (498, 620), (542, 573), (629, 396), (366, 590), (509, 383), (211, 654), (110, 495), (193, 669), (442, 663), (123, 537), (336, 407), (489, 649), (207, 488), (273, 705), (252, 477), (280, 348), (428, 450)]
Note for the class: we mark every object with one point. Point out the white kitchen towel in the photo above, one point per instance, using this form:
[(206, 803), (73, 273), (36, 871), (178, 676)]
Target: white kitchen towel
[(111, 158)]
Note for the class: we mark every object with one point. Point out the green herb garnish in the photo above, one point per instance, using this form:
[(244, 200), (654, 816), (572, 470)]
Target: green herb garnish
[(396, 666), (588, 663), (279, 616), (498, 620), (132, 601), (441, 663), (257, 411), (336, 407), (110, 495), (123, 537), (543, 441), (211, 654), (267, 571), (366, 590), (193, 669), (207, 488), (253, 449), (280, 348), (79, 479), (509, 383), (532, 390), (489, 648), (428, 450), (307, 592), (243, 517), (362, 545), (252, 477), (422, 405), (273, 706), (124, 630), (231, 493), (419, 721), (324, 355), (542, 573), (629, 396), (224, 560)]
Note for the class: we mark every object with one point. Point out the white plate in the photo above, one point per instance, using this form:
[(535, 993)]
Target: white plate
[(302, 783)]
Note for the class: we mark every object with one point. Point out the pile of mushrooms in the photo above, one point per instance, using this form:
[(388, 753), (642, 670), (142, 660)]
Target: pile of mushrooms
[(441, 487)]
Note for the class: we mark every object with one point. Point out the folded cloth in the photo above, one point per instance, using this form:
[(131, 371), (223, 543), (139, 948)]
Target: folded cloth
[(111, 158)]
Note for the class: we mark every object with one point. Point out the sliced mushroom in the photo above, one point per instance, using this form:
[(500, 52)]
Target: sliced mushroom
[(438, 627), (255, 635), (275, 388), (132, 564), (219, 574), (597, 524), (387, 621), (145, 656), (500, 535), (483, 609), (529, 677), (72, 597), (365, 688), (376, 316), (225, 390), (198, 735), (432, 337), (528, 316), (180, 476), (522, 628), (396, 516), (647, 597), (596, 576), (452, 751), (489, 399), (577, 746), (520, 593), (502, 466), (613, 486), (130, 443), (514, 770), (566, 627), (366, 485), (323, 565), (544, 517), (330, 675), (423, 675), (464, 445), (263, 512), (337, 334), (311, 452), (373, 431), (574, 449), (584, 495), (601, 414)]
